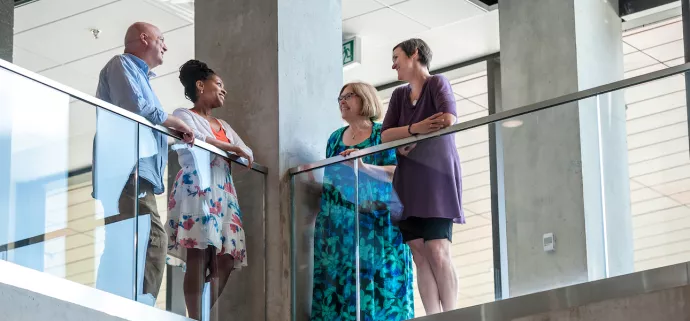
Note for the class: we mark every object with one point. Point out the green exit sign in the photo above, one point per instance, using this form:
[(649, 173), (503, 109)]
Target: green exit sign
[(351, 52)]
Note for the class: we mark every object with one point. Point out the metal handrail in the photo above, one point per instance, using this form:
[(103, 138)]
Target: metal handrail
[(120, 111), (621, 84)]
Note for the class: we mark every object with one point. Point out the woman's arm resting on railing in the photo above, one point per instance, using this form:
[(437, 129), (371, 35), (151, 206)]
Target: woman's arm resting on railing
[(237, 150), (429, 125)]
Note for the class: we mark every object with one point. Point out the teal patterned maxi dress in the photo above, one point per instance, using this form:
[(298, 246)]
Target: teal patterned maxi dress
[(385, 261)]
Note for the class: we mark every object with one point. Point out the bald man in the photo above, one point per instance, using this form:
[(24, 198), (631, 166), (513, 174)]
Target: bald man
[(125, 82)]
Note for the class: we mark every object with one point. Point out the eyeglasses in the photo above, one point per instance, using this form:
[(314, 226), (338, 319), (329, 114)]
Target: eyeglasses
[(346, 97)]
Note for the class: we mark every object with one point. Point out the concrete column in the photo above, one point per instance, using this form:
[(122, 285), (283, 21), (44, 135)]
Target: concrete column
[(6, 29), (565, 168), (281, 63)]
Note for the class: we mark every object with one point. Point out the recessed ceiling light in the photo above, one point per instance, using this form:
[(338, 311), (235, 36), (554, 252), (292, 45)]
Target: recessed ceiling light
[(512, 123)]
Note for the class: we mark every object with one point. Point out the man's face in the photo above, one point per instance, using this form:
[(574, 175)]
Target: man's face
[(156, 47)]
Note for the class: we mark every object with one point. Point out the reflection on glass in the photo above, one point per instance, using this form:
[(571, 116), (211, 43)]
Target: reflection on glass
[(657, 155), (53, 198), (115, 186)]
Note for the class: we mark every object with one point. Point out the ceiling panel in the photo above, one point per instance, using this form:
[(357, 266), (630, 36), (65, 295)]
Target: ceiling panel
[(637, 60), (451, 44), (396, 28), (475, 194), (677, 186), (662, 260), (661, 252), (635, 185), (42, 12), (658, 164), (436, 13), (644, 225), (476, 180), (675, 62), (482, 100), (472, 87), (661, 149), (665, 176), (656, 105), (469, 117), (472, 137), (467, 107), (628, 48), (482, 73), (656, 36), (652, 206), (74, 33), (655, 89), (644, 70), (390, 2), (479, 206), (643, 194), (180, 49), (665, 52), (663, 238), (82, 74), (654, 121), (475, 166), (170, 92), (353, 8), (683, 198), (474, 151), (680, 129), (31, 61)]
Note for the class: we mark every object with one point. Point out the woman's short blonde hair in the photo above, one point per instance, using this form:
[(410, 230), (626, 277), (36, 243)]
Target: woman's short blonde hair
[(371, 104)]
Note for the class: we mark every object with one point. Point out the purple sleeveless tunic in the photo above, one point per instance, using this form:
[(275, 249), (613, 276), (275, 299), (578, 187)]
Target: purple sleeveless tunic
[(428, 180)]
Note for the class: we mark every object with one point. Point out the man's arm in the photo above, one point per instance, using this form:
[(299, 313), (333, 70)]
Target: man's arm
[(125, 92), (122, 80)]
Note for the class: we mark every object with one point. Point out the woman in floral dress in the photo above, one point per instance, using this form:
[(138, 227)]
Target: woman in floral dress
[(205, 225), (385, 262)]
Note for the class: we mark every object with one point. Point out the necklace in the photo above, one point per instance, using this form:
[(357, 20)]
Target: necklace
[(354, 133)]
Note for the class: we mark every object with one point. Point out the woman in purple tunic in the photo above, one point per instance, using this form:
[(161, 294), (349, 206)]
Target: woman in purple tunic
[(428, 177)]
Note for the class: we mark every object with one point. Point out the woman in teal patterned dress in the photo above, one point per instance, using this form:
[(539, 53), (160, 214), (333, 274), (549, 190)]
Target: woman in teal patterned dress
[(385, 273)]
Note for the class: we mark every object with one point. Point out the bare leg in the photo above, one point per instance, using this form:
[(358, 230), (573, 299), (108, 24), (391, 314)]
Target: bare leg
[(220, 268), (225, 265), (194, 279), (438, 254), (426, 282)]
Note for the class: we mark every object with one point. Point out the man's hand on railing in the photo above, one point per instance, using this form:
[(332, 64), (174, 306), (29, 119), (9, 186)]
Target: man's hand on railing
[(185, 131)]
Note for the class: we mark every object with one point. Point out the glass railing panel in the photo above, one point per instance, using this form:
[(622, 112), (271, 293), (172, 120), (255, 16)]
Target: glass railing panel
[(250, 281), (472, 248), (56, 203), (658, 163), (386, 268), (324, 243), (556, 196)]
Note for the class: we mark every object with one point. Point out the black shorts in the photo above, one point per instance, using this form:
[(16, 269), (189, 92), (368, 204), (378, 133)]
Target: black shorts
[(433, 228)]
